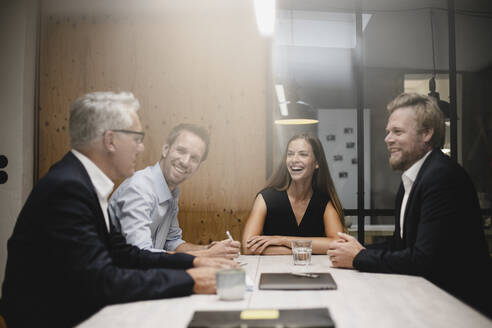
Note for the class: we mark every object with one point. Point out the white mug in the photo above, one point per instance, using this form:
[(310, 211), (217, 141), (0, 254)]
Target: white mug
[(231, 284)]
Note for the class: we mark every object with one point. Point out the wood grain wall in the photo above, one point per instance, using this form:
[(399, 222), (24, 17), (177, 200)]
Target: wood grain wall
[(186, 61)]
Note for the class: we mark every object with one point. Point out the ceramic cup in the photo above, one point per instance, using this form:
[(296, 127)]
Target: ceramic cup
[(231, 284)]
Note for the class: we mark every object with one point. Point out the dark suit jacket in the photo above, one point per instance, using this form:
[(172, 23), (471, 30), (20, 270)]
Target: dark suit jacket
[(443, 237), (63, 265)]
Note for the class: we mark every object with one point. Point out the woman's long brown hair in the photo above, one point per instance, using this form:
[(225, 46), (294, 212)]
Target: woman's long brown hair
[(321, 181)]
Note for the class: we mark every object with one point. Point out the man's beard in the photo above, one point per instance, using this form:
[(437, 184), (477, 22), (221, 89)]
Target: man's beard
[(406, 160)]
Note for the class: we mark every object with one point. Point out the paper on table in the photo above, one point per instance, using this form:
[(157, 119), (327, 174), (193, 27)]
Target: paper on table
[(249, 284), (259, 314)]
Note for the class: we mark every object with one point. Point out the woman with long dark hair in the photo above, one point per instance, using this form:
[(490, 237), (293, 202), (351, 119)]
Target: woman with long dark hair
[(298, 202)]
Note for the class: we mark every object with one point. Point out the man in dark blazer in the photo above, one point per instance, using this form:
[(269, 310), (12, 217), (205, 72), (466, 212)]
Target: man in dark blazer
[(65, 262), (438, 227)]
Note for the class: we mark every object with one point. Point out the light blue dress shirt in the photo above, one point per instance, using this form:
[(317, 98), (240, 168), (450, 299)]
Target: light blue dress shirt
[(146, 211)]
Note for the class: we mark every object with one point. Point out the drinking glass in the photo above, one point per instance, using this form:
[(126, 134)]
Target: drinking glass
[(301, 251)]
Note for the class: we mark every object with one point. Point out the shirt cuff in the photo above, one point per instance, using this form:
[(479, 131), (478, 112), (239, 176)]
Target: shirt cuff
[(357, 262), (171, 245)]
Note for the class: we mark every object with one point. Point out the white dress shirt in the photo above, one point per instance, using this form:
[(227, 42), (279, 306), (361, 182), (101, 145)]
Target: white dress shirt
[(101, 182), (408, 178)]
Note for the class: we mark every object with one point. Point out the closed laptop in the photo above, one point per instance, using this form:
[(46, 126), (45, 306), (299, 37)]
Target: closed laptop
[(294, 281), (285, 318)]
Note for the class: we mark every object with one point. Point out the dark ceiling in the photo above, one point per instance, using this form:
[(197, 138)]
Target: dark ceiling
[(398, 36)]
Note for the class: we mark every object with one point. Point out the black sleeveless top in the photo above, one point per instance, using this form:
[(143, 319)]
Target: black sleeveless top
[(280, 218)]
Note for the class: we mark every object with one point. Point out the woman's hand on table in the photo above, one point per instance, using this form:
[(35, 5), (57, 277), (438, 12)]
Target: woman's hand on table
[(257, 244)]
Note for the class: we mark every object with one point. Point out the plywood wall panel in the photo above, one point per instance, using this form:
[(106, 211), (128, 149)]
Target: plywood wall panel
[(201, 226), (203, 64)]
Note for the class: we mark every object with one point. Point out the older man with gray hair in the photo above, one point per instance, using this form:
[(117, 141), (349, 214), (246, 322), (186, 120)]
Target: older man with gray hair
[(65, 261)]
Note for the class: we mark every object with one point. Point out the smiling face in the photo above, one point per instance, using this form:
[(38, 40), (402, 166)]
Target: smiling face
[(405, 144), (181, 159), (300, 160)]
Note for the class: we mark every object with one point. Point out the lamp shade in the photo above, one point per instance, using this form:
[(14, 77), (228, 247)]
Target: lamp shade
[(299, 113)]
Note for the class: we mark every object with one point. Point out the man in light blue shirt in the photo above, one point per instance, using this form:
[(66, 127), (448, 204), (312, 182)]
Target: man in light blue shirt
[(145, 206)]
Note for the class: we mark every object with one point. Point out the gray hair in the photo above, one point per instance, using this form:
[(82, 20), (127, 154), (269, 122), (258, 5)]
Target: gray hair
[(94, 113)]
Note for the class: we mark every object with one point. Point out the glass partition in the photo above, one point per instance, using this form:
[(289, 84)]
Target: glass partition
[(405, 46), (474, 65)]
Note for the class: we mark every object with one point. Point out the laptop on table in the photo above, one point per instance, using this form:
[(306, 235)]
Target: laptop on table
[(297, 281)]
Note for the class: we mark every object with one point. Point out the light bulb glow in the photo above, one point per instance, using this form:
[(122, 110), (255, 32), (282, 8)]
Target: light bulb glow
[(265, 16), (296, 121), (282, 102)]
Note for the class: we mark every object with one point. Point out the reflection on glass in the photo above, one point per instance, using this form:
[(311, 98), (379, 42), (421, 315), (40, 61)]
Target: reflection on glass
[(405, 44)]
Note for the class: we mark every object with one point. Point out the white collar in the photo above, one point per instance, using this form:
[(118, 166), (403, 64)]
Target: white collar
[(101, 182), (412, 172), (163, 191)]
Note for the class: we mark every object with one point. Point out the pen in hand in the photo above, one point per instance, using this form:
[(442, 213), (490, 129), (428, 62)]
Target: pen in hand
[(232, 239)]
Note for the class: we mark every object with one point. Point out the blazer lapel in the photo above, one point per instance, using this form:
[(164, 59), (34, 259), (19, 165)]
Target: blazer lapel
[(398, 201), (415, 186)]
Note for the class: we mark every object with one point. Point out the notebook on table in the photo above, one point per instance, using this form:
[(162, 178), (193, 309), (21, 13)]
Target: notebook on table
[(293, 281), (263, 318)]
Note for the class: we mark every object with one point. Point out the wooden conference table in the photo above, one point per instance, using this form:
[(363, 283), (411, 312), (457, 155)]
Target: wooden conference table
[(361, 300)]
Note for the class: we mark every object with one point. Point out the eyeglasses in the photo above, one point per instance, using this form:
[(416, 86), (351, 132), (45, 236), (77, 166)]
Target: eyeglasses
[(139, 135)]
